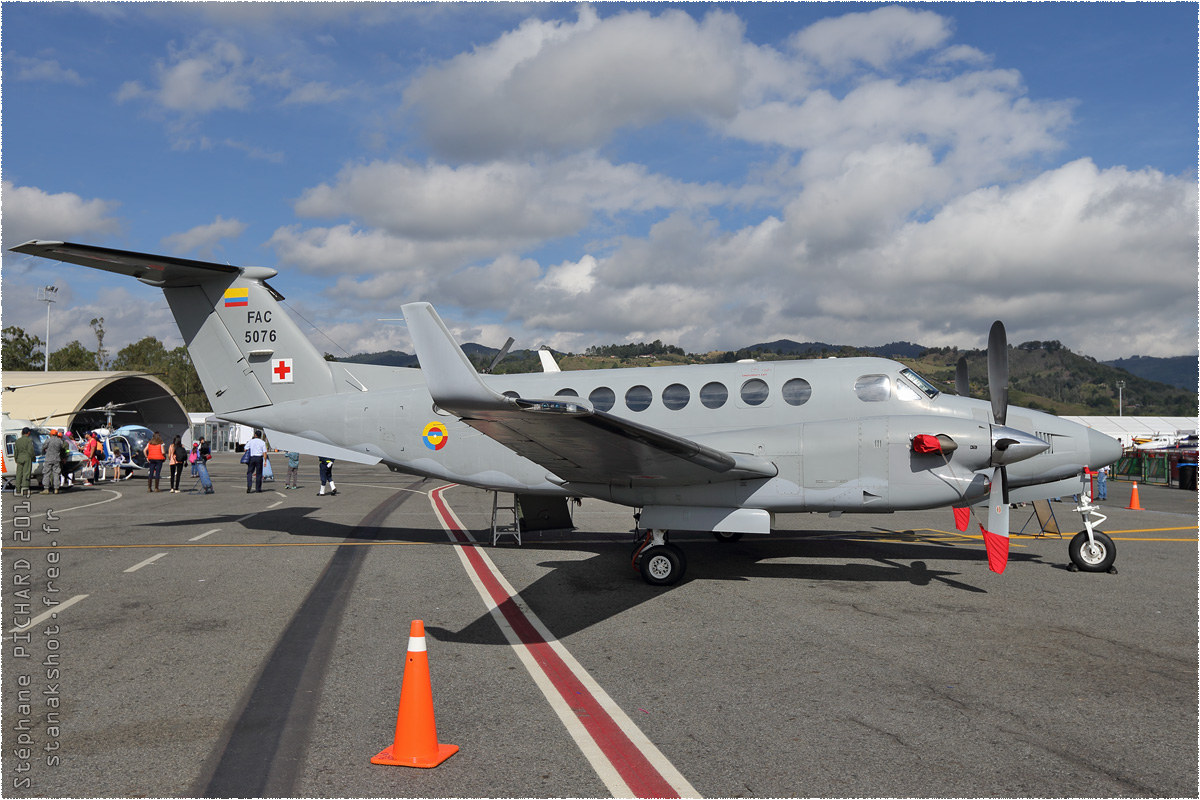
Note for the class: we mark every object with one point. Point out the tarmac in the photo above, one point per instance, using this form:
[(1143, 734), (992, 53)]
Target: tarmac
[(253, 645)]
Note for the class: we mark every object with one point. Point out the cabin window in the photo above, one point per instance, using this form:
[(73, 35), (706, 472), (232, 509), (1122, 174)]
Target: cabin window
[(638, 398), (566, 393), (754, 392), (713, 395), (603, 398), (797, 391), (676, 396), (873, 388)]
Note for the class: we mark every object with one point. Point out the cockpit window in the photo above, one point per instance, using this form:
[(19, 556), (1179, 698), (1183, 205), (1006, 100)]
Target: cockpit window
[(873, 388), (920, 383)]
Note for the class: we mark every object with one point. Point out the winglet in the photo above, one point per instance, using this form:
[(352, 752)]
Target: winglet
[(452, 380)]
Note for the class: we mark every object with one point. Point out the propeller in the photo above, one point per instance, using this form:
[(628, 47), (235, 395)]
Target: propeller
[(499, 356), (961, 383), (995, 535)]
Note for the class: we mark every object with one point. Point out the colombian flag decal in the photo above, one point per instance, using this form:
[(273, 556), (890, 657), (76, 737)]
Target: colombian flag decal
[(435, 436), (237, 297)]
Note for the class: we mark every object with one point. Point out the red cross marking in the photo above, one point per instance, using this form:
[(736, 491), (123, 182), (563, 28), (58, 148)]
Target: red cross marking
[(282, 370)]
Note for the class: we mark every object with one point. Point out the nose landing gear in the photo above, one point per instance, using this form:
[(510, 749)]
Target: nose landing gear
[(1091, 550)]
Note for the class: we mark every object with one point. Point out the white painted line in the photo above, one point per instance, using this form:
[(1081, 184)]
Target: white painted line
[(201, 536), (149, 560), (624, 758), (116, 496), (51, 613), (276, 503)]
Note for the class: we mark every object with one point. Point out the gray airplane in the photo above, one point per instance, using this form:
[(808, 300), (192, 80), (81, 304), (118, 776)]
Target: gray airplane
[(720, 448)]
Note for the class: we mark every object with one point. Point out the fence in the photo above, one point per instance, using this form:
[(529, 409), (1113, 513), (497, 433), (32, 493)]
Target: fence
[(1152, 466)]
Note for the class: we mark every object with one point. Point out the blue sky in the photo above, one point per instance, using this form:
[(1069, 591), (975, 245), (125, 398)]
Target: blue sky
[(711, 175)]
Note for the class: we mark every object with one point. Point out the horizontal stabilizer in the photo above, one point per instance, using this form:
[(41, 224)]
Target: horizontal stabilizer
[(155, 270)]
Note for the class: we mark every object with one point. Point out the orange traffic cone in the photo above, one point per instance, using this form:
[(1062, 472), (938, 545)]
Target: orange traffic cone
[(1133, 500), (416, 744)]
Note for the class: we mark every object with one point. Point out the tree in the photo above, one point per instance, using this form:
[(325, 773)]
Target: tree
[(144, 355), (22, 352), (97, 324), (73, 358)]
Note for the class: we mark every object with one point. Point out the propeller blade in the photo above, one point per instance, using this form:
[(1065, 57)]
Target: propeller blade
[(995, 535), (499, 356), (961, 383), (997, 356)]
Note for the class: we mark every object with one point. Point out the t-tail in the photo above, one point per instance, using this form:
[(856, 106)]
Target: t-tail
[(247, 351)]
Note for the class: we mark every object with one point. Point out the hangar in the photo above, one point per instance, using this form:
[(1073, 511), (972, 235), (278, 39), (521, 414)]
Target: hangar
[(84, 401)]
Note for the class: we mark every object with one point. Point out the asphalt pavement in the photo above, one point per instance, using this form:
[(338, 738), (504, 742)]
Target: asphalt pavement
[(253, 645)]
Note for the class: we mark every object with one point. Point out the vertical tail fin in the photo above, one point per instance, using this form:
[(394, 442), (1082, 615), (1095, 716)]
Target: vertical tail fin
[(247, 350)]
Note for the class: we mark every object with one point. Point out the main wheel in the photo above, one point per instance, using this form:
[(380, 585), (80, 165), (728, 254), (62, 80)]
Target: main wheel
[(723, 536), (1098, 557), (661, 565)]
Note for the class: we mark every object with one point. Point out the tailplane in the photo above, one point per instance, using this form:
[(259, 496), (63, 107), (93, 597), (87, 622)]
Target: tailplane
[(247, 350)]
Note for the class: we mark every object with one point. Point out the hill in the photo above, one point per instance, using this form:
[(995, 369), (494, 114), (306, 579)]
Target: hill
[(1042, 375), (1180, 371)]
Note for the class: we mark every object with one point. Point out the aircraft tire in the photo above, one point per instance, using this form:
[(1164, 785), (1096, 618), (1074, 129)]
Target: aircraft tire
[(1092, 559), (722, 536), (661, 565)]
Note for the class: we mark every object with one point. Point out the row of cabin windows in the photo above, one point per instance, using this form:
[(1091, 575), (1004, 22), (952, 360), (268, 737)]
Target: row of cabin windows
[(714, 394), (754, 392)]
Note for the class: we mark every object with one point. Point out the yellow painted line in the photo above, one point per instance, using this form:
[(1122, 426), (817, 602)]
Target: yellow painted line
[(1154, 530)]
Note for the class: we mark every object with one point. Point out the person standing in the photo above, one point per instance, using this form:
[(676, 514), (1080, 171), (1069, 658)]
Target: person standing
[(24, 453), (155, 456), (192, 459), (176, 455), (325, 465), (1102, 484), (93, 451), (52, 466), (203, 454), (293, 473), (256, 448)]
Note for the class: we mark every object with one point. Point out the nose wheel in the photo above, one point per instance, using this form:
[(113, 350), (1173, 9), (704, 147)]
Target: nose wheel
[(660, 563), (1091, 550)]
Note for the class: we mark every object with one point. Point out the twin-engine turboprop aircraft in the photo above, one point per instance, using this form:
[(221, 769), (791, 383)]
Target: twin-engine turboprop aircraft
[(720, 448)]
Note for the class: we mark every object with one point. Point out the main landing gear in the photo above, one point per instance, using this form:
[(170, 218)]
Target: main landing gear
[(660, 562)]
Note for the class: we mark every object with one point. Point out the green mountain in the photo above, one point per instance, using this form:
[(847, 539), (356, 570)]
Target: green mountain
[(1181, 371), (1042, 375)]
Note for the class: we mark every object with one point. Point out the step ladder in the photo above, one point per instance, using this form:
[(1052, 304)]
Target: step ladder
[(500, 524)]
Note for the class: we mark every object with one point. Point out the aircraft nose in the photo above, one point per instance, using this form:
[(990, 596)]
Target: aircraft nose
[(1104, 450)]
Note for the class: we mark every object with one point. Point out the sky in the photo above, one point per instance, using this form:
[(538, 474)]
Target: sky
[(711, 175)]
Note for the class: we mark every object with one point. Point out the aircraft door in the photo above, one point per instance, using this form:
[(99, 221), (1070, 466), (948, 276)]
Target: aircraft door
[(377, 420)]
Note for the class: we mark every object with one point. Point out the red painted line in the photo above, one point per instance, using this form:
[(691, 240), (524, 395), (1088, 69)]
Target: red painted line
[(638, 773)]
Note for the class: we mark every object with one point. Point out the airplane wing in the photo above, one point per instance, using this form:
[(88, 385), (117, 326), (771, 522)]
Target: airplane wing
[(566, 435)]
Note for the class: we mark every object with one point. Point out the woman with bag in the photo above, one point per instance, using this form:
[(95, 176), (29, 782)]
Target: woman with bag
[(155, 456), (176, 456)]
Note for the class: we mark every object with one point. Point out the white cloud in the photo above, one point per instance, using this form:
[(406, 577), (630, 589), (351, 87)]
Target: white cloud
[(203, 239), (877, 38), (31, 213), (45, 70), (562, 86)]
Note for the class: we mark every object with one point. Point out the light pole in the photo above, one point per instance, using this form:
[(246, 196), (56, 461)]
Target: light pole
[(45, 295), (1120, 398)]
